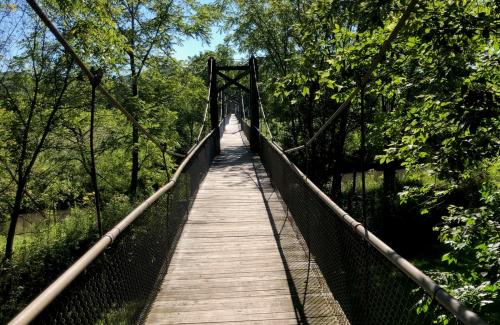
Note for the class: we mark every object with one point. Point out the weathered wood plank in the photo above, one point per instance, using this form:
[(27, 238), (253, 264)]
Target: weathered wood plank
[(217, 294), (227, 267), (216, 316)]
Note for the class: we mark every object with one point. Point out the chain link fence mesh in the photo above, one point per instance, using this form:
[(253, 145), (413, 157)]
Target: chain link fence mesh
[(368, 287), (121, 283), (342, 268)]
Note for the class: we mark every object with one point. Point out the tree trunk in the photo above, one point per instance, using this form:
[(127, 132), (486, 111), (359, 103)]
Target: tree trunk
[(135, 161), (390, 168), (24, 173), (389, 179), (294, 132), (354, 182), (14, 216), (134, 77), (336, 185), (135, 131), (338, 156), (191, 133)]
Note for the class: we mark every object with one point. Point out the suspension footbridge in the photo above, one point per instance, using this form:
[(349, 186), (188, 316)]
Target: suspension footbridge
[(229, 265), (240, 235), (240, 238)]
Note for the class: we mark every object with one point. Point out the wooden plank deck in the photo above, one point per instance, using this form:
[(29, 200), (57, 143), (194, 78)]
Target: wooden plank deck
[(229, 266)]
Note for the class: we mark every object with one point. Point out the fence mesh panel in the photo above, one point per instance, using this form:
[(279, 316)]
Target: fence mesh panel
[(120, 284), (368, 287)]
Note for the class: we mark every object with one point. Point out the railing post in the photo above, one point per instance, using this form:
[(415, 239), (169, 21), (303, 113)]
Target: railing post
[(254, 107), (214, 111)]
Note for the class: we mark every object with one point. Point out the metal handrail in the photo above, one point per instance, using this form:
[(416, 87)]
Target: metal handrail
[(450, 303), (30, 312)]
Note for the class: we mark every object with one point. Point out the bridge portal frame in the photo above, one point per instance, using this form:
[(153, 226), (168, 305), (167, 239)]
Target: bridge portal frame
[(251, 69)]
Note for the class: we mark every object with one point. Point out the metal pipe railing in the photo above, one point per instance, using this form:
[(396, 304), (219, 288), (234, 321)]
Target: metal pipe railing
[(436, 292), (29, 313)]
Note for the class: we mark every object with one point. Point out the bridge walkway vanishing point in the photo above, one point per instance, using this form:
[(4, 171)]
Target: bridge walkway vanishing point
[(242, 256), (217, 244), (229, 265)]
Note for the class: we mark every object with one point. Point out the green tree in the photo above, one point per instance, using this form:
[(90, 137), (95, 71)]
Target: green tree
[(149, 27), (431, 106), (449, 126), (32, 101)]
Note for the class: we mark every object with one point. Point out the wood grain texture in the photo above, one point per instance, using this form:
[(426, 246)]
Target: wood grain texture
[(229, 266)]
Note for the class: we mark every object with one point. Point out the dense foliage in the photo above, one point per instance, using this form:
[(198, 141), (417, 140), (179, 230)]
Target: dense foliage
[(47, 200), (431, 112)]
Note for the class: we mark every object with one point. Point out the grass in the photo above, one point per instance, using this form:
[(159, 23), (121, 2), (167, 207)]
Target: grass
[(46, 234), (417, 241), (45, 252), (494, 172), (374, 179), (389, 218), (39, 257)]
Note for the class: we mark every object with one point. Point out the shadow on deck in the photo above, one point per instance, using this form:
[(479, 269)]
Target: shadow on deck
[(240, 257)]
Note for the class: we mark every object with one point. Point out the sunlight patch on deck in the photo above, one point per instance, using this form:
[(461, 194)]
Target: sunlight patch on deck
[(228, 266)]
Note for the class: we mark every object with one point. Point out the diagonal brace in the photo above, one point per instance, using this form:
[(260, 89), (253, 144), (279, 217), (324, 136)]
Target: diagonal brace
[(233, 81)]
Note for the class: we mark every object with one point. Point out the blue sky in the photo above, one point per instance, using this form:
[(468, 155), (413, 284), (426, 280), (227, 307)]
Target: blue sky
[(191, 47), (188, 48)]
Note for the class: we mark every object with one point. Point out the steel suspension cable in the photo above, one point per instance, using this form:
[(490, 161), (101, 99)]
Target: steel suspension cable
[(45, 19), (222, 102), (262, 107), (204, 116), (264, 115), (363, 199), (366, 77), (363, 157), (97, 197), (166, 166), (243, 107)]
